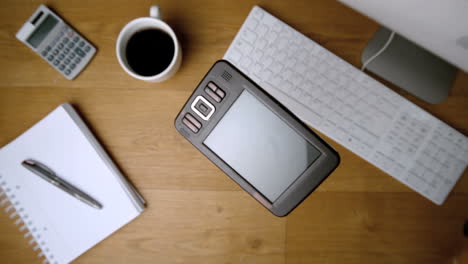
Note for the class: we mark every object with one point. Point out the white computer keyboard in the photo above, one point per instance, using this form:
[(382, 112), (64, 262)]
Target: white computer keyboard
[(350, 107)]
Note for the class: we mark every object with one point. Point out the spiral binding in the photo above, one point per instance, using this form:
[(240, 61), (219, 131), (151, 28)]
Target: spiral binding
[(21, 219)]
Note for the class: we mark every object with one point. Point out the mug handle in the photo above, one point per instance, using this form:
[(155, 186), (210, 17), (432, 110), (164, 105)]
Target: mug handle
[(154, 12)]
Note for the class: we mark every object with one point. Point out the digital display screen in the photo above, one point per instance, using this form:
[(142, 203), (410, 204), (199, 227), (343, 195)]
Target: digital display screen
[(41, 31), (261, 147)]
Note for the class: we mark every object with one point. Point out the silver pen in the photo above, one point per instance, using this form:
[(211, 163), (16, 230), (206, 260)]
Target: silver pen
[(48, 175)]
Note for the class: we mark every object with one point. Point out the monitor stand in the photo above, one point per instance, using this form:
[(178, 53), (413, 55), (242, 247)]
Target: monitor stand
[(410, 67)]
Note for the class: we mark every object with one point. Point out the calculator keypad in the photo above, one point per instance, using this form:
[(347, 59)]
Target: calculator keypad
[(68, 52)]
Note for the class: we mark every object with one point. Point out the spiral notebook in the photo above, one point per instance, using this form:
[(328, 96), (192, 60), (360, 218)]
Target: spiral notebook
[(59, 227)]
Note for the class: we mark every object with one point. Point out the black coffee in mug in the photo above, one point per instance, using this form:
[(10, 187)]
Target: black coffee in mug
[(149, 52)]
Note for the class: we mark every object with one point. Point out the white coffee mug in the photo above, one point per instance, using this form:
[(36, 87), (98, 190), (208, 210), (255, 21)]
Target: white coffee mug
[(139, 24)]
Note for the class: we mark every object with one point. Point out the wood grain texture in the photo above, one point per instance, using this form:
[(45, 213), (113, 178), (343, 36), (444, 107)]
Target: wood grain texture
[(195, 213)]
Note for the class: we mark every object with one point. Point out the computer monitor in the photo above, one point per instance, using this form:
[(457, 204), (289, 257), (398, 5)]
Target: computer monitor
[(431, 41)]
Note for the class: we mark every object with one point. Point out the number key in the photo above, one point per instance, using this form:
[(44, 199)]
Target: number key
[(80, 52)]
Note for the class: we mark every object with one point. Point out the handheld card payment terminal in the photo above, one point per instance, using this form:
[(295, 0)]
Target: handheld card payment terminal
[(254, 139)]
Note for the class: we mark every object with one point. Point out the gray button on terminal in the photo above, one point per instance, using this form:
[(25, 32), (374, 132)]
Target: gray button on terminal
[(202, 107)]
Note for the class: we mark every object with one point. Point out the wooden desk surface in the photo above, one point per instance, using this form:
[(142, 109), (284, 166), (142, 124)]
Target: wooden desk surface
[(195, 213)]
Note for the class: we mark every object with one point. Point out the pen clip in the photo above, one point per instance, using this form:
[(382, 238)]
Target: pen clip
[(51, 176), (39, 165)]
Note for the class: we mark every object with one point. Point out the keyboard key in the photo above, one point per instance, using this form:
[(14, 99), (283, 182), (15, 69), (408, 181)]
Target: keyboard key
[(87, 48), (276, 81), (81, 44), (249, 36), (297, 79), (235, 56), (246, 61), (290, 62), (286, 86), (267, 62), (276, 68), (261, 44), (279, 26), (247, 49), (257, 68), (271, 36), (281, 57), (253, 24), (262, 30), (258, 13), (67, 72), (257, 55), (297, 92), (266, 74)]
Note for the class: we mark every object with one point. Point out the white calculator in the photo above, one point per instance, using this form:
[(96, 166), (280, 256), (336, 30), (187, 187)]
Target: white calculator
[(56, 42)]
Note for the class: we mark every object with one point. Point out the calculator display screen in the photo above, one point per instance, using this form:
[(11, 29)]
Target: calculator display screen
[(261, 147), (41, 31)]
